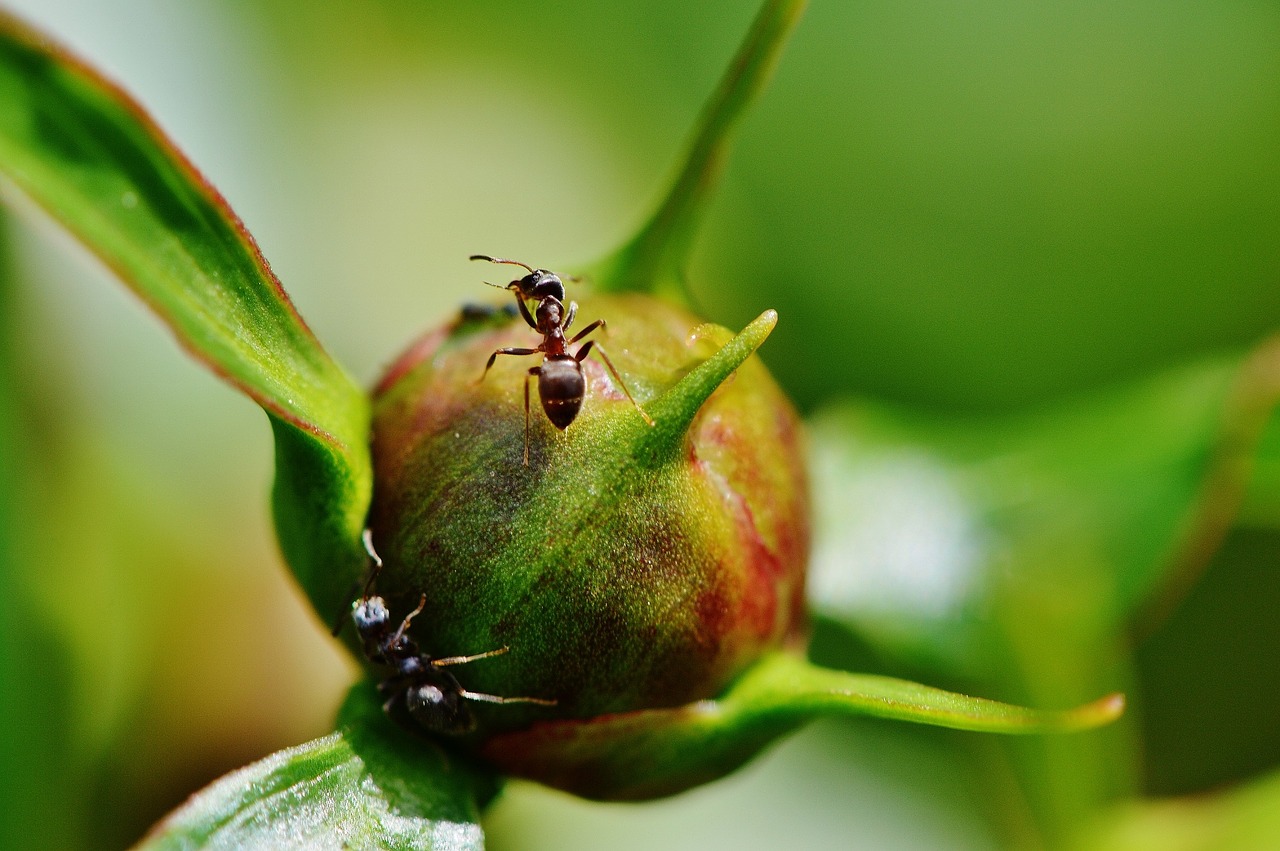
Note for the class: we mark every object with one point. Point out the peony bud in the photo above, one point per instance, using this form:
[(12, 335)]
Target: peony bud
[(627, 566)]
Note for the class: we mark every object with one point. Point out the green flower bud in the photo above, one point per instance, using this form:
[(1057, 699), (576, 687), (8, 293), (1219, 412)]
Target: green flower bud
[(627, 566)]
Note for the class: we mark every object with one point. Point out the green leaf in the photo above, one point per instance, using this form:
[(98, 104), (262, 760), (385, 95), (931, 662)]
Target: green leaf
[(654, 260), (91, 157), (924, 523), (1246, 818), (368, 785), (646, 754), (1021, 552)]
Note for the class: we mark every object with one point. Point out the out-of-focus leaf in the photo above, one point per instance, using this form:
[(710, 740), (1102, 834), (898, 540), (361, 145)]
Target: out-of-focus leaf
[(655, 259), (368, 785), (1206, 679), (33, 693), (91, 157), (1246, 818), (1015, 554), (991, 205), (640, 755), (922, 521)]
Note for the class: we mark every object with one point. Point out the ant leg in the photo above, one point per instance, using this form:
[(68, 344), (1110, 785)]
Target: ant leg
[(483, 312), (533, 370), (504, 351), (493, 698), (524, 308), (462, 660), (569, 317), (586, 350), (599, 323), (404, 624), (394, 688)]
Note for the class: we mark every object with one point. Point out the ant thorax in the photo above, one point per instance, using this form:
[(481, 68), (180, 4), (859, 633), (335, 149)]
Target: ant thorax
[(550, 316)]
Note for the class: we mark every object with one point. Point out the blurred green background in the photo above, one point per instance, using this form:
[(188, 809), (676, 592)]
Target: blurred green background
[(972, 210)]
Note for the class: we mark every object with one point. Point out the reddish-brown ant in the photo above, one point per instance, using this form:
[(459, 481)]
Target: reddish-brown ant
[(418, 685), (561, 384)]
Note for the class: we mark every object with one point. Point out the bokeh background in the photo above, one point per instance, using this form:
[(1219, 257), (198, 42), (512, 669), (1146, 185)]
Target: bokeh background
[(970, 210)]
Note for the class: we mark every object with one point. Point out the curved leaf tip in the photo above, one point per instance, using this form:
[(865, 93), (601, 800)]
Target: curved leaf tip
[(786, 685)]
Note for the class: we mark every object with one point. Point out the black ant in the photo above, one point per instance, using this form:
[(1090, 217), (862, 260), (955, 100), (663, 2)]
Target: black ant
[(418, 684), (561, 384)]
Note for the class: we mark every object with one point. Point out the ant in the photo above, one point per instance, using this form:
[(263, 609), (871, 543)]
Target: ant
[(561, 385), (419, 684)]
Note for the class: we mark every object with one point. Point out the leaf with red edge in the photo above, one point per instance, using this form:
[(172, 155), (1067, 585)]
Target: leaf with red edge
[(90, 156)]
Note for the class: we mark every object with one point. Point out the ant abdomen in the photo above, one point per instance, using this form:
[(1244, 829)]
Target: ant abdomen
[(561, 387), (435, 702)]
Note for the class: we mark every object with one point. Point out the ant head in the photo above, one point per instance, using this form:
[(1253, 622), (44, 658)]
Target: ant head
[(540, 284), (371, 617), (370, 614)]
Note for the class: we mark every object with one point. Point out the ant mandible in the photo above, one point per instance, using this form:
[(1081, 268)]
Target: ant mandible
[(419, 685), (561, 384)]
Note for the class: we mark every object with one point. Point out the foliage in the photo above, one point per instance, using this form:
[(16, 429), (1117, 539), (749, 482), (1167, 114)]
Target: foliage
[(1018, 554)]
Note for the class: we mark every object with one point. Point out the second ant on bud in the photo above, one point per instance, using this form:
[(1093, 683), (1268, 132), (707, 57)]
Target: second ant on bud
[(419, 685)]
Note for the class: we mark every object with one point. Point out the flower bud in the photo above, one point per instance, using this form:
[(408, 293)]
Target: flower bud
[(626, 566)]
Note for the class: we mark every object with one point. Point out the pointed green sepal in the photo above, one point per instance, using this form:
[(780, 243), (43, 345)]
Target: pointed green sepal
[(657, 752), (675, 410)]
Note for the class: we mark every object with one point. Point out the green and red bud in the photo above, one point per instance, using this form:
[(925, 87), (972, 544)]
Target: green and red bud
[(628, 567)]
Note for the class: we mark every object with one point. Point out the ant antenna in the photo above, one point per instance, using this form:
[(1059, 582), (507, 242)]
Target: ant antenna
[(496, 286), (404, 625), (366, 538), (493, 698), (500, 260)]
